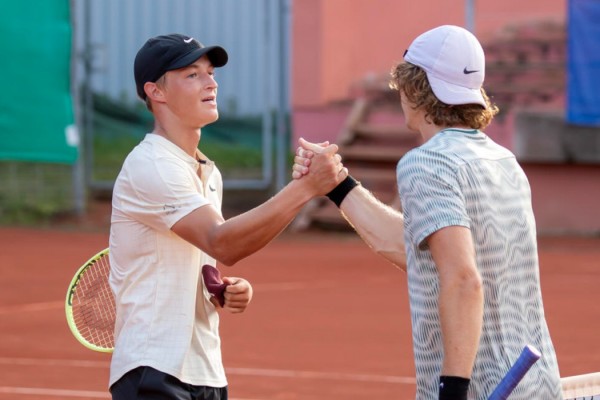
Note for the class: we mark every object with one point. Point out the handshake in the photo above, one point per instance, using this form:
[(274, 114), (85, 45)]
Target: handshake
[(320, 166)]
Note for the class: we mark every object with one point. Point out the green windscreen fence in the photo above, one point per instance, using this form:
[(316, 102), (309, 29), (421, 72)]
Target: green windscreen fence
[(36, 108)]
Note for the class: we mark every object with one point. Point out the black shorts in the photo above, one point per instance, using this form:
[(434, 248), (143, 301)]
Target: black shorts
[(146, 383)]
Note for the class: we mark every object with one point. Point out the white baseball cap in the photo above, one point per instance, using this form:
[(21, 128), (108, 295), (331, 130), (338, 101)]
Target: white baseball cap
[(454, 62)]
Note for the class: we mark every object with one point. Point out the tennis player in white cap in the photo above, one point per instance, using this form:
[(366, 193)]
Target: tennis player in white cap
[(470, 246)]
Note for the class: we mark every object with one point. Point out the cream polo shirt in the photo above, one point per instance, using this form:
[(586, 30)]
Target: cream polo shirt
[(165, 319)]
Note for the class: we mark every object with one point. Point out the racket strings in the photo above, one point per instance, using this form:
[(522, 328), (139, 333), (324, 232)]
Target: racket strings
[(94, 305)]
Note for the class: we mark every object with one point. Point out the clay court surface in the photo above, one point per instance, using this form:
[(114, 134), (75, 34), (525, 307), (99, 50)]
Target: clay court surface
[(329, 319)]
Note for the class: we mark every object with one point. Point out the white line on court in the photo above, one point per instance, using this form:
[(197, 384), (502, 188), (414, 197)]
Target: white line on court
[(62, 393), (47, 392), (48, 305), (263, 287), (53, 362), (261, 372), (271, 373)]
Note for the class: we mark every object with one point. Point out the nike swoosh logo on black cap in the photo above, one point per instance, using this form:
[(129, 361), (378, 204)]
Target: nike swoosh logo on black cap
[(466, 71)]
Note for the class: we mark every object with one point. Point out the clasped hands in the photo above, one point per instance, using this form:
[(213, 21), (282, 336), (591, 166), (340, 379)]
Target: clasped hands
[(321, 162)]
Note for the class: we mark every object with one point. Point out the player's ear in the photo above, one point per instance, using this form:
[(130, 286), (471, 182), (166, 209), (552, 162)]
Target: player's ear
[(154, 92)]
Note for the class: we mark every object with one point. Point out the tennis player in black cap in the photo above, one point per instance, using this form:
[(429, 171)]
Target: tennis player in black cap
[(168, 234)]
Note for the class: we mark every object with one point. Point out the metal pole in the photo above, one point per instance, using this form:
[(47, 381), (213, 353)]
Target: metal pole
[(266, 181), (79, 198), (470, 16), (268, 107), (282, 109), (87, 55)]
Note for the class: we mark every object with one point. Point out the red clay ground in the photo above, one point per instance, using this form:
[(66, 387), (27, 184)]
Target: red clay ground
[(329, 319)]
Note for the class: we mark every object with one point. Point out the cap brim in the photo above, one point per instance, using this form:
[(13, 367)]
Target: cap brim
[(216, 54), (454, 94)]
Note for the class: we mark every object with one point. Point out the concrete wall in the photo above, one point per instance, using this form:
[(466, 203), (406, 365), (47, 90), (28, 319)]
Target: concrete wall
[(336, 43), (543, 136), (562, 163), (565, 197)]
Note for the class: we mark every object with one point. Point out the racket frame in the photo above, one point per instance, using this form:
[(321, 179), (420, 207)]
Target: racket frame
[(69, 305)]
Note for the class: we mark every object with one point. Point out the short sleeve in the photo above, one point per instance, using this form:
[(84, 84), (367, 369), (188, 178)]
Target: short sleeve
[(430, 195), (159, 192)]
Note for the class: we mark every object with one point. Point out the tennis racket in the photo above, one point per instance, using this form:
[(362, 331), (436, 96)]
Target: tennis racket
[(528, 357), (90, 305)]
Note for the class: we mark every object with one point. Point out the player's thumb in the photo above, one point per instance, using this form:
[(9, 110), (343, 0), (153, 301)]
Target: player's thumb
[(229, 280), (316, 148), (330, 150)]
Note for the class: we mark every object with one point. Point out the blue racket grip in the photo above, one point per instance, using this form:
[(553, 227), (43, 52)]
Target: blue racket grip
[(528, 357)]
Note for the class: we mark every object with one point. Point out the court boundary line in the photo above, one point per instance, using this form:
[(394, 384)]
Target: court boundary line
[(241, 371), (50, 392), (339, 376), (263, 287), (32, 307), (285, 286)]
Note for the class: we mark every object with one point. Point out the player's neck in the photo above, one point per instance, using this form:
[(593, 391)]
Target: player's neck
[(186, 138), (429, 130)]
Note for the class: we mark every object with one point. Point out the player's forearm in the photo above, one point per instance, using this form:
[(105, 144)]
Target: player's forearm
[(378, 224), (249, 232), (461, 315)]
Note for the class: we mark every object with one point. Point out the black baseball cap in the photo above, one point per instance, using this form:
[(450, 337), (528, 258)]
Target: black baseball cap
[(168, 52)]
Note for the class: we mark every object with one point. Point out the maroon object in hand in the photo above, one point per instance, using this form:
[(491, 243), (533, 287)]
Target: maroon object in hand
[(213, 283)]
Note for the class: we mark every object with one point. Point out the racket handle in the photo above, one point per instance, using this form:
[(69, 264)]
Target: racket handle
[(528, 357)]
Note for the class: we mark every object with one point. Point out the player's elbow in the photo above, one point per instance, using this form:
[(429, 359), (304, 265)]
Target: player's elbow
[(472, 281), (473, 286), (465, 281), (220, 248), (224, 253), (228, 260)]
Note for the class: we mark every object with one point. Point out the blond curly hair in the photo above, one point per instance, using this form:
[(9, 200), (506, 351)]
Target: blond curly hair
[(412, 82)]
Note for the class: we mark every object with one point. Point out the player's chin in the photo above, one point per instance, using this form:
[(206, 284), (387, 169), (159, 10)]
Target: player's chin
[(208, 118)]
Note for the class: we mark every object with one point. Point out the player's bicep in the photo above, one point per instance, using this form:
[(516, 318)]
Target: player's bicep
[(200, 227), (453, 252)]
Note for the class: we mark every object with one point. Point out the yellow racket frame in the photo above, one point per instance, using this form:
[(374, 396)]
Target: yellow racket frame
[(69, 308)]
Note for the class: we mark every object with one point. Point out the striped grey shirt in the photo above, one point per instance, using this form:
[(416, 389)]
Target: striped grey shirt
[(462, 178)]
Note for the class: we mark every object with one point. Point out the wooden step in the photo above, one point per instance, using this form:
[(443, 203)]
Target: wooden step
[(373, 153), (375, 179), (329, 216), (386, 132)]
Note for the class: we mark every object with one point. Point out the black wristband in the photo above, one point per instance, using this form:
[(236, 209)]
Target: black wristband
[(453, 388), (338, 194)]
